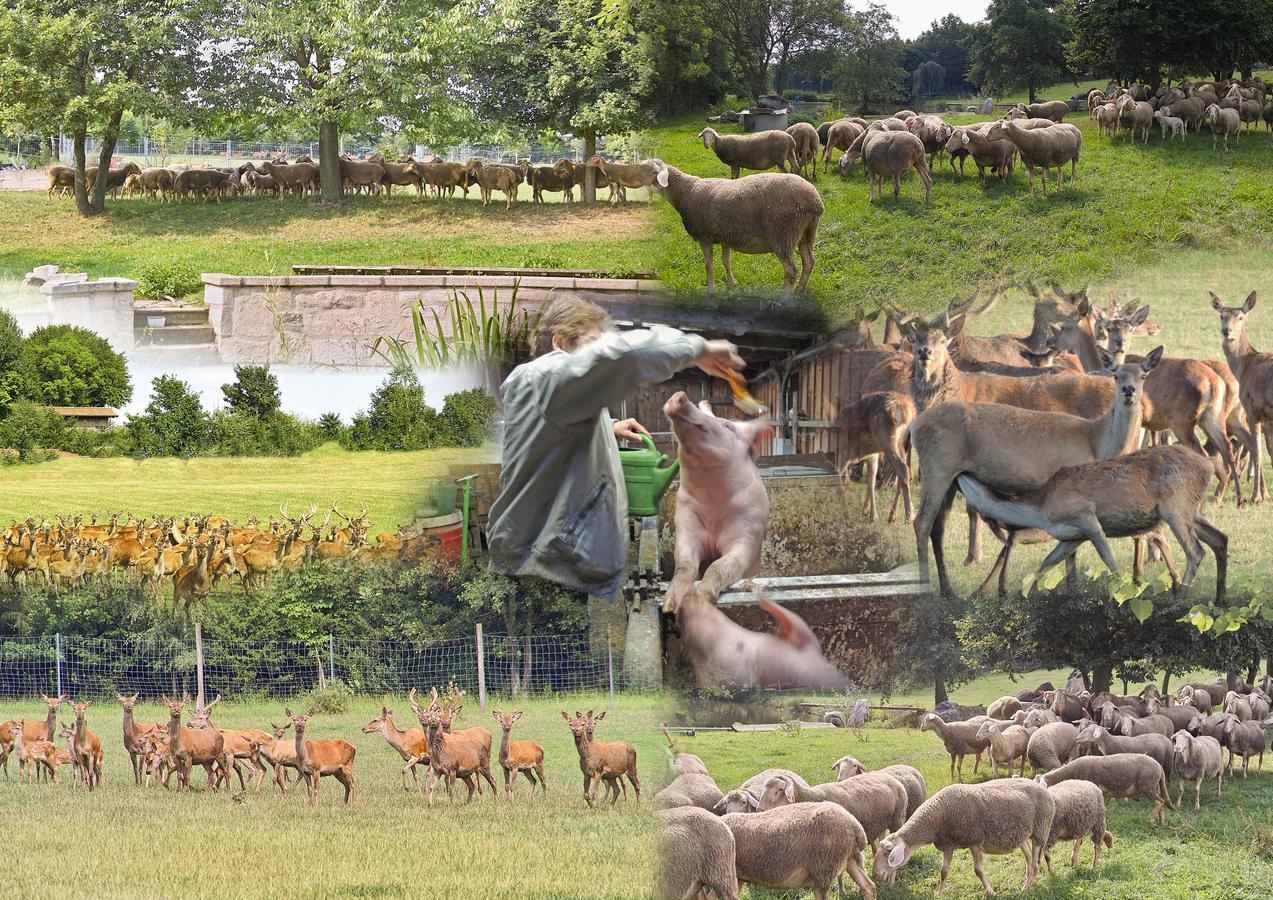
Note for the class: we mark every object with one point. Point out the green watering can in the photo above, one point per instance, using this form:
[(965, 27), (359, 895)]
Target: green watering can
[(647, 473)]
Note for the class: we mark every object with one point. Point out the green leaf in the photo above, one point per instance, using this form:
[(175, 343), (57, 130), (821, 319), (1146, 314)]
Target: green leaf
[(1201, 620), (1050, 579), (1142, 608)]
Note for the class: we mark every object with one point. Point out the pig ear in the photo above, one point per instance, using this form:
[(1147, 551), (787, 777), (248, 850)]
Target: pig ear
[(706, 406), (791, 628), (756, 431)]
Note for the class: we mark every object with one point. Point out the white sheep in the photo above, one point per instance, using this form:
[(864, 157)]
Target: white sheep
[(1170, 124), (802, 844), (1197, 758), (696, 853)]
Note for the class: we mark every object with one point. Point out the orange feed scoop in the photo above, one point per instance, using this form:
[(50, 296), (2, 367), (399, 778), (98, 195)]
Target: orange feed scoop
[(742, 397)]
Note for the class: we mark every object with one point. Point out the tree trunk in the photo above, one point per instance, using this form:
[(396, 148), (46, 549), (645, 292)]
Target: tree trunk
[(1102, 677), (1166, 680), (1031, 94), (589, 173), (55, 150), (330, 188), (939, 693), (1231, 679), (81, 192), (1124, 687), (97, 203)]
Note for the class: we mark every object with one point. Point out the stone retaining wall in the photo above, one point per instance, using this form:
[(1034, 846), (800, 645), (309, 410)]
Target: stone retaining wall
[(104, 306)]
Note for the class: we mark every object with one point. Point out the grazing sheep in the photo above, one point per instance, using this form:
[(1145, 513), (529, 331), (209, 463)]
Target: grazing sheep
[(878, 801), (994, 817), (760, 151), (807, 145), (1244, 739), (1170, 124), (998, 156), (1185, 717), (1046, 148), (156, 180), (695, 853), (890, 154), (960, 739), (1080, 811), (552, 178), (802, 844), (933, 133), (1004, 707), (1223, 122), (1120, 775), (1199, 699), (840, 136), (1053, 110), (916, 789), (739, 800), (1135, 116), (1153, 745), (766, 213), (1196, 759), (1007, 745), (689, 790), (757, 781), (1039, 716), (620, 176)]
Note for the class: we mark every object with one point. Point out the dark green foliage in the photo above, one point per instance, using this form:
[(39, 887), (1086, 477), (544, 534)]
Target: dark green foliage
[(10, 361), (467, 418), (65, 365), (946, 42), (279, 434), (1021, 45), (174, 423), (398, 418), (869, 77), (254, 392), (29, 426), (332, 426)]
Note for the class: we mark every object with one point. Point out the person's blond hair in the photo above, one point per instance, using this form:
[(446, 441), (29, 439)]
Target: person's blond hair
[(568, 317)]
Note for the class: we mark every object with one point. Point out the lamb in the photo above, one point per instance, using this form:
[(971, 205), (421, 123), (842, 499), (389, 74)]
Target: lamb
[(997, 156), (1046, 148), (115, 178), (1135, 116), (766, 213), (689, 790), (878, 801), (760, 151), (1080, 811), (960, 738), (1153, 745), (807, 146), (1120, 775), (803, 844), (1196, 759), (1050, 746), (916, 789), (873, 428), (695, 853), (890, 154), (1007, 745), (1244, 739), (1223, 122), (994, 817), (1170, 124)]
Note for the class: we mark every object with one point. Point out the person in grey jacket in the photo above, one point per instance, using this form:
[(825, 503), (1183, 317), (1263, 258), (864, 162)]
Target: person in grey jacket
[(562, 508)]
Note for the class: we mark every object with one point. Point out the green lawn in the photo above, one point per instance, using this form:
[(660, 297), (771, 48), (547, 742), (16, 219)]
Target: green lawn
[(1224, 852), (1060, 91), (385, 483), (131, 841), (262, 235)]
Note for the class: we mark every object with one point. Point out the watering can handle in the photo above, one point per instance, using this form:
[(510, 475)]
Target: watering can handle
[(648, 441)]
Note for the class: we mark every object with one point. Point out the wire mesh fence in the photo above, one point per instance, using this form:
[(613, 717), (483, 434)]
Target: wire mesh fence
[(492, 664)]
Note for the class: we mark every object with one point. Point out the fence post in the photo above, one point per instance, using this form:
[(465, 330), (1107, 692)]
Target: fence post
[(481, 670), (58, 638), (198, 659), (610, 663), (331, 658)]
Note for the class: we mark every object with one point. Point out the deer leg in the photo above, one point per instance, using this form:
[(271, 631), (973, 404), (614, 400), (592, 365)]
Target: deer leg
[(999, 570), (543, 782), (934, 502), (345, 775), (485, 772), (872, 470), (1219, 543), (587, 795), (974, 538)]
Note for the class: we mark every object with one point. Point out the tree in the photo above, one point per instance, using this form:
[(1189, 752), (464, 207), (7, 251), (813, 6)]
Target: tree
[(928, 79), (946, 42), (347, 65), (254, 392), (65, 365), (467, 418), (869, 75), (10, 361), (569, 66), (69, 66), (174, 423), (691, 60), (398, 418), (1021, 45)]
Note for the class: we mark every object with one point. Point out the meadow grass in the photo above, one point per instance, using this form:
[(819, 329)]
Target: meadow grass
[(129, 841), (1224, 852), (387, 484)]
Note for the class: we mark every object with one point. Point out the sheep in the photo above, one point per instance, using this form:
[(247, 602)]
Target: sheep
[(1249, 113), (1181, 716), (494, 178), (803, 844), (766, 213), (998, 157), (847, 767), (1260, 703), (1196, 759), (1237, 705), (840, 136), (1153, 745), (1106, 119), (115, 178), (960, 739), (877, 800), (1135, 116), (933, 133), (1132, 726), (1004, 707), (904, 114), (757, 781), (873, 428), (1080, 811), (689, 790), (1170, 124), (1054, 110), (807, 145), (695, 853), (739, 800), (1039, 716), (1267, 116), (890, 154), (1223, 122), (1199, 699), (620, 176), (1244, 739), (1047, 148), (1119, 775), (993, 817), (680, 762), (156, 180), (760, 151), (1007, 745), (552, 178)]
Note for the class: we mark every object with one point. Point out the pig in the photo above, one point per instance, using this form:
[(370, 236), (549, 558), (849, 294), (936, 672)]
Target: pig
[(722, 511)]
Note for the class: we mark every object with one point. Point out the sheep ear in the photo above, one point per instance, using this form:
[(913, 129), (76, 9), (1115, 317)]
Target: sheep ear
[(661, 178), (789, 789), (897, 856), (965, 137), (752, 800)]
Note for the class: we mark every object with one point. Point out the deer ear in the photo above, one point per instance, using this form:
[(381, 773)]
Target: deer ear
[(1151, 360), (1250, 302), (1216, 303), (565, 715), (1141, 315), (1107, 360), (601, 715), (287, 711)]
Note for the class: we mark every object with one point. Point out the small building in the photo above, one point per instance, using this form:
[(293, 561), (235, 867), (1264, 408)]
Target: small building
[(96, 417), (763, 118)]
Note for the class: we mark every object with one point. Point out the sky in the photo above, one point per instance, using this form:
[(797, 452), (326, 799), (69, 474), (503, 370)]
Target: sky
[(914, 16)]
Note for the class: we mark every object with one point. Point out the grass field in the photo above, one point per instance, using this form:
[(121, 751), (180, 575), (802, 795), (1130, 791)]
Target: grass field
[(385, 483), (130, 841), (264, 236), (1224, 852)]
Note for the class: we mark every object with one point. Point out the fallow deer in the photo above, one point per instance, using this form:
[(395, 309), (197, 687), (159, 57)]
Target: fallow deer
[(39, 755), (526, 757), (314, 759), (597, 760)]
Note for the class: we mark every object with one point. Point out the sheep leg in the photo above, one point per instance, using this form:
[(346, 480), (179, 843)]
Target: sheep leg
[(727, 264), (1031, 865), (857, 871), (945, 869), (977, 859), (710, 260), (1074, 857), (788, 267), (897, 185)]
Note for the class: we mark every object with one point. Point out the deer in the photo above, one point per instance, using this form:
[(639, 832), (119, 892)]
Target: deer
[(314, 759), (86, 748), (1254, 371), (188, 747), (526, 757), (155, 758), (1121, 497), (412, 745), (281, 754), (40, 754), (132, 733), (31, 731), (192, 581), (598, 761), (239, 745), (873, 428), (453, 755), (1015, 450)]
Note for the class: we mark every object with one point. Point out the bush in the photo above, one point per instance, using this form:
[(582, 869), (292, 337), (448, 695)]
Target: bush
[(467, 419), (335, 698), (240, 434), (167, 279), (29, 426), (254, 392), (65, 365), (174, 423), (333, 428), (10, 361), (398, 418)]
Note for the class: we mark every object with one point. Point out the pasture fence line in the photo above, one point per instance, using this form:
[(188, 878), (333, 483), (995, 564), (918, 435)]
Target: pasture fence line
[(482, 665)]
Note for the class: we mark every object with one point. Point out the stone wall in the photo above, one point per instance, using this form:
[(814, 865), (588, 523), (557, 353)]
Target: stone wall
[(104, 306), (336, 319)]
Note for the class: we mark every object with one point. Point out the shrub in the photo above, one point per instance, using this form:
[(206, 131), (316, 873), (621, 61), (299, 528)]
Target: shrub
[(29, 426), (398, 418), (174, 423), (10, 361), (167, 279), (467, 419), (65, 365), (240, 434), (333, 428), (254, 392), (335, 698)]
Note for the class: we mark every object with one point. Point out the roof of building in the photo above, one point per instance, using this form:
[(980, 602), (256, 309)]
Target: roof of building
[(85, 412)]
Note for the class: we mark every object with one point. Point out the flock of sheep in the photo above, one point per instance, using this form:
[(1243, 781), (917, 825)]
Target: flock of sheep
[(1226, 108), (776, 830)]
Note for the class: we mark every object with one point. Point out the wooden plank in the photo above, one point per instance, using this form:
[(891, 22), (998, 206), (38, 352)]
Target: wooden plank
[(776, 726), (884, 592)]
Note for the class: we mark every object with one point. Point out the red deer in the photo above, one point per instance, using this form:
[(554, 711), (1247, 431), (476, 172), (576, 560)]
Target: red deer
[(188, 747), (132, 733), (314, 759), (411, 744), (86, 749), (599, 761), (31, 731), (453, 755), (526, 757), (1254, 371)]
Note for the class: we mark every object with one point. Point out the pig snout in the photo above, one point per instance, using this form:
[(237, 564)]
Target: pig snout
[(677, 405)]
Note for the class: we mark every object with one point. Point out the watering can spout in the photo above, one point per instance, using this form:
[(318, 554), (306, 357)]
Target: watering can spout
[(663, 475)]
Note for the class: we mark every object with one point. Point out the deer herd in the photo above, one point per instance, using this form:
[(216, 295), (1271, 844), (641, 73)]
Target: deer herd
[(159, 750), (1060, 434), (194, 554)]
